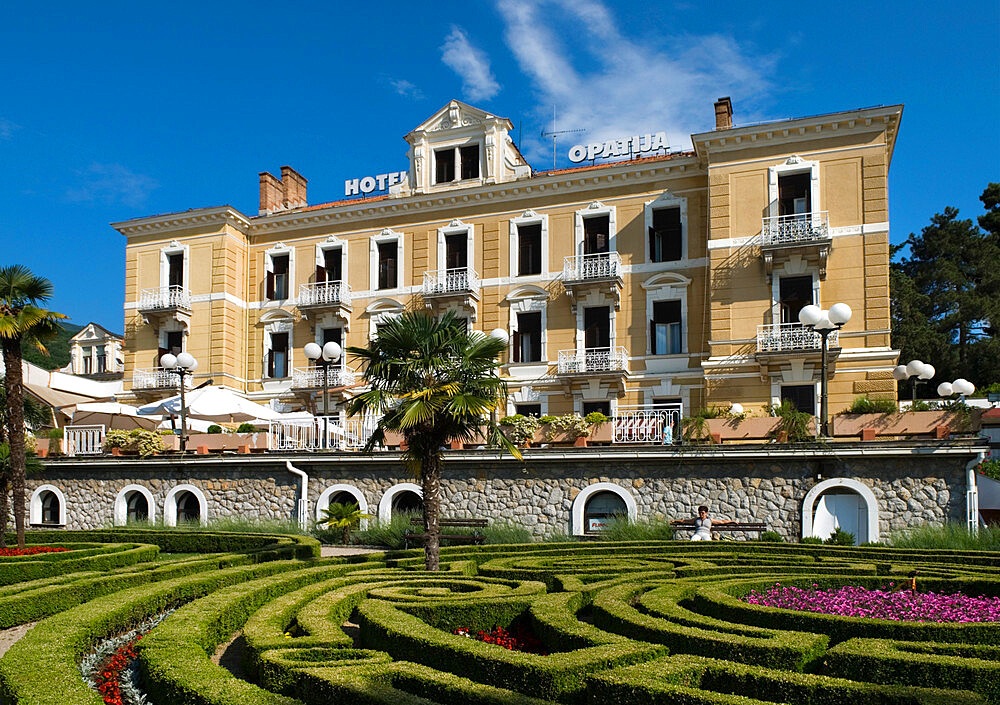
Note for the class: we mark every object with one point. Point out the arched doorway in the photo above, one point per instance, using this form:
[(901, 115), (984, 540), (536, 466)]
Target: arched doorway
[(600, 508), (344, 494), (188, 508), (407, 502), (50, 508), (137, 507), (404, 497), (842, 503)]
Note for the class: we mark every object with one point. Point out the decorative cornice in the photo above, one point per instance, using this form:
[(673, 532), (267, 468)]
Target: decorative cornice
[(218, 215)]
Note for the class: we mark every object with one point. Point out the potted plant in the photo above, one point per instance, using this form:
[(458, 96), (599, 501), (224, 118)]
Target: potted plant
[(793, 425), (520, 429)]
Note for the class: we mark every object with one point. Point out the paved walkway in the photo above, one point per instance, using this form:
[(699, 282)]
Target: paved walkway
[(8, 637), (327, 551)]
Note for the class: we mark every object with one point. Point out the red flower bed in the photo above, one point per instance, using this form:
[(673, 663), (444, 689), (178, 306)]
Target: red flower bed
[(519, 638), (110, 674), (30, 551)]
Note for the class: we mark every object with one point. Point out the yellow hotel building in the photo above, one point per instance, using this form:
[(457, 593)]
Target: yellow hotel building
[(675, 277)]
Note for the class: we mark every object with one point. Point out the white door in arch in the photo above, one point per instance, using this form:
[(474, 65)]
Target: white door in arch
[(844, 510)]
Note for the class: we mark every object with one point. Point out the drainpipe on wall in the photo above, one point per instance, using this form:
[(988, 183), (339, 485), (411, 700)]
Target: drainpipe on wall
[(302, 504), (972, 494)]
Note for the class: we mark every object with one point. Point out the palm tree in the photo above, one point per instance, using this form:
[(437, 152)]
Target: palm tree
[(344, 517), (35, 415), (432, 381), (22, 321)]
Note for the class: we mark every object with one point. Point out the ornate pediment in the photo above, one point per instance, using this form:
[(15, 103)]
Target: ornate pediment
[(455, 114)]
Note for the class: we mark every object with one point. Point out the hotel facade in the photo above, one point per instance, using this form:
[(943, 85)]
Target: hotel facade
[(662, 279)]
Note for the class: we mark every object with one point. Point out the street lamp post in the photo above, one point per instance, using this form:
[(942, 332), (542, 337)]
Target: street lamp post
[(328, 355), (181, 365), (914, 368), (824, 323), (960, 386)]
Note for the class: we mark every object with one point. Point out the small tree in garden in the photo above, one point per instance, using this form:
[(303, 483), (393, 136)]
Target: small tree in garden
[(344, 517), (432, 381)]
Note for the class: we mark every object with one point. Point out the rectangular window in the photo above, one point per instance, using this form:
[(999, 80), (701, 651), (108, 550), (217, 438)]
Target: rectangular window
[(277, 278), (102, 360), (529, 249), (470, 161), (794, 293), (597, 327), (528, 409), (175, 267), (528, 337), (387, 265), (601, 407), (87, 361), (456, 251), (333, 335), (665, 328), (794, 194), (277, 359), (330, 270), (665, 235), (596, 231), (803, 396), (444, 166)]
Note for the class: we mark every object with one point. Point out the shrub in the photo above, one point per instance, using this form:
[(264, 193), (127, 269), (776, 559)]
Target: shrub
[(951, 536), (379, 533), (138, 439), (812, 540), (520, 428), (771, 537), (990, 468), (922, 405), (215, 428), (595, 418), (246, 428), (573, 425), (866, 405), (506, 532), (621, 528), (793, 424), (839, 537)]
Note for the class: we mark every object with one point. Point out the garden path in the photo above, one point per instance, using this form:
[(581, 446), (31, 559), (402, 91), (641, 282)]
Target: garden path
[(8, 637), (327, 551)]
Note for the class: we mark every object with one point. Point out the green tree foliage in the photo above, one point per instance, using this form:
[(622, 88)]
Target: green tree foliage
[(344, 517), (945, 296), (56, 355), (432, 381)]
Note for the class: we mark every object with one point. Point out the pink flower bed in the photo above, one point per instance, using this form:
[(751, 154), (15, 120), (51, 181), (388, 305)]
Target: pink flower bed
[(887, 603)]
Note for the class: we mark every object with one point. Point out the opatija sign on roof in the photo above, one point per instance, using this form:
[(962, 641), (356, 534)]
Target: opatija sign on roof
[(623, 147)]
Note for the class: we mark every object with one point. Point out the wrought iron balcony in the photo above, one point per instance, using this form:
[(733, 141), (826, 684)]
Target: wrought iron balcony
[(321, 433), (156, 378), (592, 360), (659, 423), (328, 294), (790, 337), (797, 229), (312, 377), (463, 281), (602, 266), (165, 298)]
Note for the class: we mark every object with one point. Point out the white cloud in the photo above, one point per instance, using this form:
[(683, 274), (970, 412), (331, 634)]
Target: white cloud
[(471, 64), (406, 89), (112, 183), (613, 84)]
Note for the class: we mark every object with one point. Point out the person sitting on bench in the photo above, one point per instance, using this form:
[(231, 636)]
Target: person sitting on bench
[(702, 524)]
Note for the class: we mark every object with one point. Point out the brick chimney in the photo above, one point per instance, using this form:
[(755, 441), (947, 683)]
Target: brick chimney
[(271, 196), (723, 113), (294, 187)]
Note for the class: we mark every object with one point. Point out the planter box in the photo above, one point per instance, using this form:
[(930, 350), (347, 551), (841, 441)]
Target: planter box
[(218, 442), (911, 423)]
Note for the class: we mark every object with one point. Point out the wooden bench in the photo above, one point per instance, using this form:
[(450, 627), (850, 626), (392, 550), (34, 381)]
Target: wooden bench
[(476, 537), (757, 526)]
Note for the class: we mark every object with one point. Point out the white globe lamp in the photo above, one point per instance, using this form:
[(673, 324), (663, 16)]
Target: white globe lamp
[(332, 352), (945, 389), (914, 368), (839, 314), (736, 409), (312, 351), (927, 372), (185, 360), (899, 373), (963, 386), (168, 361), (500, 334), (810, 315)]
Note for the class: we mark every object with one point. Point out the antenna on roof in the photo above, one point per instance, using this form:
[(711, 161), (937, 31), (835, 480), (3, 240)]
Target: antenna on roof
[(553, 133)]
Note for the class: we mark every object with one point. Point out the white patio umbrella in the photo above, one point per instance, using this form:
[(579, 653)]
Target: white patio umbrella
[(111, 415), (212, 404)]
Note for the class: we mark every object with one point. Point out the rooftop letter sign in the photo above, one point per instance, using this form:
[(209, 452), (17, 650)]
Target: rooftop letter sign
[(368, 184), (623, 147)]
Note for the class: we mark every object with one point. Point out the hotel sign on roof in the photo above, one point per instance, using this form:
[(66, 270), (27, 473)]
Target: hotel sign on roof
[(621, 147)]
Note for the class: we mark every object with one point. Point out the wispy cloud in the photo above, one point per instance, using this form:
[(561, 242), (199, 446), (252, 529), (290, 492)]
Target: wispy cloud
[(7, 128), (617, 85), (406, 89), (111, 184), (471, 64)]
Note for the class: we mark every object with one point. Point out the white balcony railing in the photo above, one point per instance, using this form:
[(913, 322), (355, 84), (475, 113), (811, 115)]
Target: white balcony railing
[(325, 294), (592, 360), (603, 265), (164, 297), (659, 424), (782, 337), (444, 282), (801, 228), (83, 440), (312, 377), (155, 378), (320, 433)]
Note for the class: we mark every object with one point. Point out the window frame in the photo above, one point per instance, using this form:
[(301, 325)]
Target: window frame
[(277, 251), (793, 165), (679, 328), (595, 208), (332, 243), (383, 237), (667, 286), (456, 227), (663, 201), (175, 248), (456, 150), (528, 217)]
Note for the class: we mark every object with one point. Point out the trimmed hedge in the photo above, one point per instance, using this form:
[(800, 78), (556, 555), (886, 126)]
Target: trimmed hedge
[(112, 556)]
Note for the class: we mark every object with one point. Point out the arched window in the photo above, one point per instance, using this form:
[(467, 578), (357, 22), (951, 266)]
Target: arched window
[(50, 508), (407, 502), (188, 508), (600, 508), (137, 507), (841, 503)]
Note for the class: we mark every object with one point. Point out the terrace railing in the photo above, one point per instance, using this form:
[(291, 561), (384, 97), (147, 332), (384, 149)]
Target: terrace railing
[(83, 440), (787, 337), (320, 433), (165, 297), (312, 377), (450, 282), (660, 424), (581, 268), (156, 378), (592, 360), (333, 293), (801, 228)]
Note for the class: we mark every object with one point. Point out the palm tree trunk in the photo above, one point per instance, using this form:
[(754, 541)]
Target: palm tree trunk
[(4, 507), (15, 429), (430, 475)]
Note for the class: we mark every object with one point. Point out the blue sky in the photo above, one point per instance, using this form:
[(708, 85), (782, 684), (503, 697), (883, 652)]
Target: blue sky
[(118, 110)]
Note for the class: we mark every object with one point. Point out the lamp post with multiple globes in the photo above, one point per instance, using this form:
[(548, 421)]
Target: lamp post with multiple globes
[(914, 368), (181, 365), (960, 386), (824, 323), (328, 355)]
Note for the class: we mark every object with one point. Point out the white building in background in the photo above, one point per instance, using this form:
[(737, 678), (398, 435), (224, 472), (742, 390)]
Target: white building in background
[(96, 352)]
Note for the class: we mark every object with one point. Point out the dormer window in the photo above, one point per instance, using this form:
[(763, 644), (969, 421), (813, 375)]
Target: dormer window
[(460, 162)]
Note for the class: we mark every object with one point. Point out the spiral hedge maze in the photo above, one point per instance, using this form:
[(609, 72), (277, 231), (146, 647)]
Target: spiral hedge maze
[(622, 623)]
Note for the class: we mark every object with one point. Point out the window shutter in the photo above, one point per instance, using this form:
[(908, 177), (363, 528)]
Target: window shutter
[(270, 363), (320, 273), (652, 245), (517, 346), (269, 284)]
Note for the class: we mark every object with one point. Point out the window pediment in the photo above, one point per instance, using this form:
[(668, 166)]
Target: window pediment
[(666, 279)]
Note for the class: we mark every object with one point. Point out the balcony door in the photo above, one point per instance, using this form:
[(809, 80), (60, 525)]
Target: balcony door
[(596, 234), (175, 346), (175, 269), (330, 271), (794, 194), (793, 294), (456, 251), (597, 327)]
